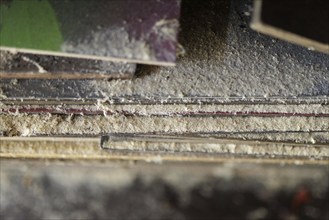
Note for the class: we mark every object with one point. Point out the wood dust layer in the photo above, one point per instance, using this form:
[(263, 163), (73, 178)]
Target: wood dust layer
[(31, 125)]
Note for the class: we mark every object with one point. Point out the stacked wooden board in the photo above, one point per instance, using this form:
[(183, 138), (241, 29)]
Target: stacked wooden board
[(239, 128), (234, 84)]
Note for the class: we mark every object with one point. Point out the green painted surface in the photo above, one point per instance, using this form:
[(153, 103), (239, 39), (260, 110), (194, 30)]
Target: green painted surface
[(29, 24)]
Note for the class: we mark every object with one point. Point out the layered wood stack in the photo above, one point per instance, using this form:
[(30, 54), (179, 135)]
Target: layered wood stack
[(233, 93)]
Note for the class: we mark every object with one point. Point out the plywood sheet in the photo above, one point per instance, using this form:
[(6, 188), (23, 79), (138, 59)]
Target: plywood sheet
[(144, 148)]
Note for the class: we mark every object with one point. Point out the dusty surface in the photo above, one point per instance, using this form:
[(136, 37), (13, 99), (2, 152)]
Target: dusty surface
[(129, 31), (134, 31), (112, 190), (213, 146), (293, 129), (224, 59), (224, 62), (103, 108), (119, 42), (161, 150), (20, 65), (30, 125)]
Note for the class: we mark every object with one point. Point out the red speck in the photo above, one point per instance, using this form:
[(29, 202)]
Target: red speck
[(302, 197)]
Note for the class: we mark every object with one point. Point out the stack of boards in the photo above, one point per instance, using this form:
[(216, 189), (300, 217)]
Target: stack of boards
[(234, 94)]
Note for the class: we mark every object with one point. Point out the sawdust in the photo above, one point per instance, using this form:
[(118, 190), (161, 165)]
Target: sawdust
[(224, 63), (111, 43), (290, 137), (39, 67), (224, 60), (31, 125), (118, 44), (231, 62), (166, 29), (167, 110), (5, 56), (178, 109), (231, 147)]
